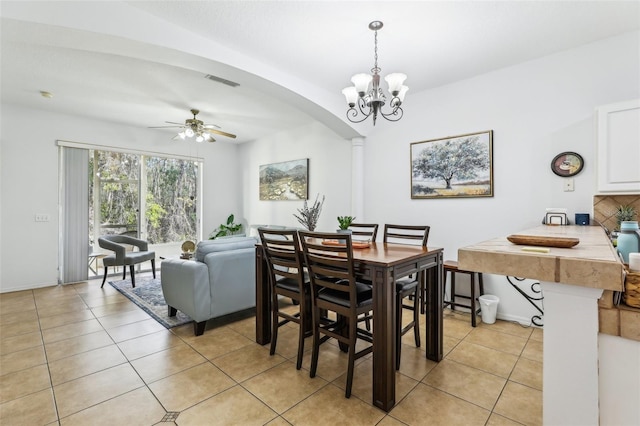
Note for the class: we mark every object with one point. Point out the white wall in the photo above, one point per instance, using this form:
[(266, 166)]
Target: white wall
[(329, 175), (536, 110), (29, 177)]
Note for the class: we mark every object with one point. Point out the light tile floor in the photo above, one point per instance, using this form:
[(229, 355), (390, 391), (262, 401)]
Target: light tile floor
[(80, 355)]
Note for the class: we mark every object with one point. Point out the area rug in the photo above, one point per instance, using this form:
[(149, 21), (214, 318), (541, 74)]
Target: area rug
[(148, 296)]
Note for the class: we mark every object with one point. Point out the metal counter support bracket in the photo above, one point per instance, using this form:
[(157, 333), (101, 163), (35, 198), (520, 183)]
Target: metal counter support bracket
[(536, 302)]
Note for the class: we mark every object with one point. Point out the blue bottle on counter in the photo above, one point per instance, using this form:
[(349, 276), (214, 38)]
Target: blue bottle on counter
[(628, 239)]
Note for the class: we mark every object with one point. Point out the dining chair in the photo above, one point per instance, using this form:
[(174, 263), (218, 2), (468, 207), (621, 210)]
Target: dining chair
[(288, 279), (334, 288), (409, 287), (123, 257), (364, 231)]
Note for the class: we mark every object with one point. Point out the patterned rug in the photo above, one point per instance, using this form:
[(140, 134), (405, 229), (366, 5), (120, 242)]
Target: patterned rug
[(148, 295)]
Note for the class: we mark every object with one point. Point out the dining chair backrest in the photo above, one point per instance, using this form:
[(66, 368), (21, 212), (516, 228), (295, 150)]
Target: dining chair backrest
[(364, 231), (330, 266), (406, 234), (283, 254)]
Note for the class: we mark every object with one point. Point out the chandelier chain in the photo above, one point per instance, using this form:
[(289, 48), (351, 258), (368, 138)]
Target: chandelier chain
[(375, 68)]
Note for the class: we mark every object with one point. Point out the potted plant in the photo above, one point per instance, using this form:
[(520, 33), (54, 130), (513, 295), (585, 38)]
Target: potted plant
[(344, 222), (309, 215), (225, 229), (625, 213)]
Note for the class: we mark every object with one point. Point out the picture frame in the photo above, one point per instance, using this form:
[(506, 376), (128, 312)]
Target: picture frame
[(453, 167), (567, 164), (287, 180)]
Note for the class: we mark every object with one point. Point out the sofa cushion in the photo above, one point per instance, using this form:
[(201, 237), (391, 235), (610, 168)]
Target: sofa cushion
[(225, 244)]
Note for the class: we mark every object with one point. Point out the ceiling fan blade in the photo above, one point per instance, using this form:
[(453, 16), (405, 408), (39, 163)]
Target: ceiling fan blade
[(209, 126), (220, 132), (162, 127), (173, 122)]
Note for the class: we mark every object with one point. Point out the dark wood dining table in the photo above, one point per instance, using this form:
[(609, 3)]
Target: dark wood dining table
[(382, 264)]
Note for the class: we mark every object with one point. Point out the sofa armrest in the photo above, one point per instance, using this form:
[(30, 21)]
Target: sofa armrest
[(185, 285)]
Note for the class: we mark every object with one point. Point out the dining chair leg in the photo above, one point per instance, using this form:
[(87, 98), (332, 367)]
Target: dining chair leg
[(124, 272), (274, 325), (301, 336), (416, 313), (353, 327), (153, 267), (316, 344), (398, 330)]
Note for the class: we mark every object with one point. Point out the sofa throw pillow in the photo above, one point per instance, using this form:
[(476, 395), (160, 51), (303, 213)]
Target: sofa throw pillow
[(232, 243)]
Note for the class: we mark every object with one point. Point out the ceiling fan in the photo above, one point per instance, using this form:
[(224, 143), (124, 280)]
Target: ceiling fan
[(194, 128)]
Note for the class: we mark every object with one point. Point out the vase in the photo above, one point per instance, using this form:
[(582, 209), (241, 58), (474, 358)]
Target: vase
[(628, 239)]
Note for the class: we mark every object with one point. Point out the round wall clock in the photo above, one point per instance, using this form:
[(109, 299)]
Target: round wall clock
[(567, 164)]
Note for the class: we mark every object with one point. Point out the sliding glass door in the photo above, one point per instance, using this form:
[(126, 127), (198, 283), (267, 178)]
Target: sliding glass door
[(147, 197)]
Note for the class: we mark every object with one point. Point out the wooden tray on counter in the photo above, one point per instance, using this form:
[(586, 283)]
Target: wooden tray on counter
[(536, 240)]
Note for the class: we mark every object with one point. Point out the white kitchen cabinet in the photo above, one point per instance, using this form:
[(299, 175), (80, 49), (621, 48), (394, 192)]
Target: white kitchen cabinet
[(618, 150)]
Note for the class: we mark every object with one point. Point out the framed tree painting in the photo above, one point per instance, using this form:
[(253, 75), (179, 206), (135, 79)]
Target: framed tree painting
[(285, 181), (453, 167)]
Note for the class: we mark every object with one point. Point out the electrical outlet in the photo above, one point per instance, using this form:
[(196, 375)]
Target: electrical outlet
[(568, 185), (42, 217)]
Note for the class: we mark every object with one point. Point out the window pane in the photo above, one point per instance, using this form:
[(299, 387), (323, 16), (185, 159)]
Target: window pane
[(171, 214)]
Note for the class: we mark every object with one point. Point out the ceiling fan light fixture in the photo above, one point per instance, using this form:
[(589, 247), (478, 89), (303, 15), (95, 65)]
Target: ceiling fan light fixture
[(197, 129)]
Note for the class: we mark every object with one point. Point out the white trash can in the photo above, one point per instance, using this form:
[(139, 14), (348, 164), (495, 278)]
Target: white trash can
[(488, 307)]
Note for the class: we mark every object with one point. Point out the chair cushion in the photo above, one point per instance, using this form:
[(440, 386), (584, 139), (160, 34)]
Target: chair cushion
[(288, 284), (131, 258), (364, 294), (224, 244), (406, 284)]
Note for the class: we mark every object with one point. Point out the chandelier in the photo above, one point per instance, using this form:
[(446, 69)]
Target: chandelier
[(367, 94)]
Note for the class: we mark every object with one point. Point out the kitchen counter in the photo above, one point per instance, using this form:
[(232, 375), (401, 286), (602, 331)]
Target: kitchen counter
[(578, 375), (593, 262)]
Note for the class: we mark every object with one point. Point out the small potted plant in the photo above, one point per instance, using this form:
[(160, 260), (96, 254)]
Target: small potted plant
[(226, 229), (344, 222), (624, 214)]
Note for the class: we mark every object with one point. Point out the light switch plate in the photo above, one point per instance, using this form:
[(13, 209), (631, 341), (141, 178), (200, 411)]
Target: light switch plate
[(568, 185), (42, 217)]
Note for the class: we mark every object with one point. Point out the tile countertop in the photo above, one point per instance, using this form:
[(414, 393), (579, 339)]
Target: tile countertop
[(591, 263)]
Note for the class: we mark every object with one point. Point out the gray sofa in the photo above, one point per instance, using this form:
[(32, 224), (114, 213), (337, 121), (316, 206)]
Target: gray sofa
[(220, 280)]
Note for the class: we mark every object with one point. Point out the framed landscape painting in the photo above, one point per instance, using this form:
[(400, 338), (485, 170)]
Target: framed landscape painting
[(285, 181), (453, 167)]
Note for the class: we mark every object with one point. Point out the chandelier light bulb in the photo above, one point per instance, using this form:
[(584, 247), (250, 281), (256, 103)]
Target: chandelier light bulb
[(189, 132), (182, 135), (199, 138), (402, 92), (351, 94), (361, 83), (395, 82)]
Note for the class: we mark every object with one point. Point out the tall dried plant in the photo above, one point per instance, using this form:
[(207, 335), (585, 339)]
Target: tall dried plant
[(309, 215)]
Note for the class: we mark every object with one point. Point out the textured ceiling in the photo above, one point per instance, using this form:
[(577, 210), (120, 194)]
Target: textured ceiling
[(142, 63)]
